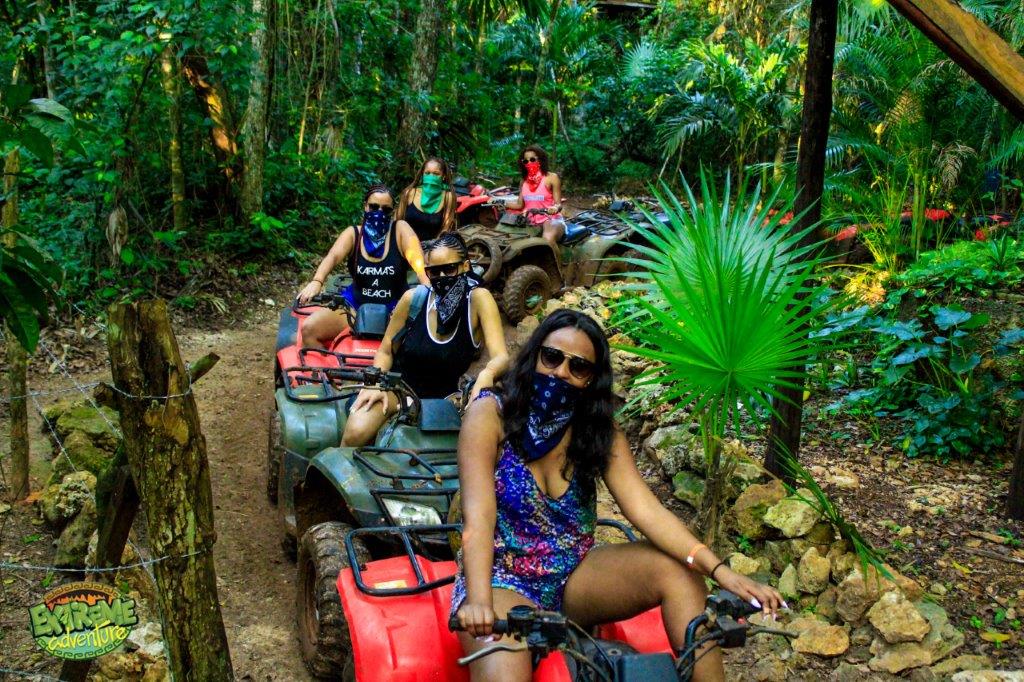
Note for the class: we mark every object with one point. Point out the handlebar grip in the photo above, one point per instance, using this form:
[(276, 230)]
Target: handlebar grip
[(500, 625)]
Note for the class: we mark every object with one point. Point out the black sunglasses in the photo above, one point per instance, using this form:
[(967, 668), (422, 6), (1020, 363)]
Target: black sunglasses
[(387, 208), (528, 159), (443, 270), (552, 358)]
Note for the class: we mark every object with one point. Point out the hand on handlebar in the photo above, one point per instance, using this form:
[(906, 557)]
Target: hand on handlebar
[(368, 397), (759, 596), (476, 619), (309, 291)]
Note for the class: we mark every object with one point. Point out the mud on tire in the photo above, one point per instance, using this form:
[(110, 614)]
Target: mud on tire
[(526, 291), (323, 631)]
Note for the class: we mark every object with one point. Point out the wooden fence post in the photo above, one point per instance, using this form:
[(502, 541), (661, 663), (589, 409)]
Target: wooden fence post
[(167, 457)]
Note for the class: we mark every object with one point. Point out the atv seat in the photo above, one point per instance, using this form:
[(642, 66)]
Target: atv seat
[(575, 232), (439, 414), (371, 321)]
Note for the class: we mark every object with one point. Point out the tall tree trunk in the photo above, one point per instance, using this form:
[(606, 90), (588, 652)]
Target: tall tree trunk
[(17, 359), (166, 453), (1015, 499), (254, 130), (784, 431), (422, 70), (171, 79), (215, 103)]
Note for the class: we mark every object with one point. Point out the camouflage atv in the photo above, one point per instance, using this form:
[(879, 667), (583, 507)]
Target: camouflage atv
[(520, 268)]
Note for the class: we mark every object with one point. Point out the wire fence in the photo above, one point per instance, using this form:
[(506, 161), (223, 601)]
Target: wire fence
[(83, 388)]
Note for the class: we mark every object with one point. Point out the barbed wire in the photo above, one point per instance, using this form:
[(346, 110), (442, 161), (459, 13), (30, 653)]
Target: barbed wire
[(115, 428), (53, 432), (145, 563), (29, 673)]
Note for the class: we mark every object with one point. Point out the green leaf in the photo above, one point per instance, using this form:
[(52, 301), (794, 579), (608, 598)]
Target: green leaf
[(15, 96), (38, 144), (952, 316), (52, 108), (962, 365), (127, 256), (18, 314)]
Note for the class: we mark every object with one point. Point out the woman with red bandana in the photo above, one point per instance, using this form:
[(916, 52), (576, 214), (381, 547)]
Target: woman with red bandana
[(541, 189)]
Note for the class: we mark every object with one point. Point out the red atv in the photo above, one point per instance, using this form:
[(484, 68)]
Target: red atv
[(393, 624), (476, 205), (354, 347)]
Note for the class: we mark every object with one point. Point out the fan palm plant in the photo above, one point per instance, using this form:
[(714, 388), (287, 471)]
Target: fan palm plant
[(726, 306)]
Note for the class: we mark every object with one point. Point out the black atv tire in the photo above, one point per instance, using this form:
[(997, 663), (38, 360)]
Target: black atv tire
[(323, 631), (523, 286), (486, 253), (633, 268), (275, 455)]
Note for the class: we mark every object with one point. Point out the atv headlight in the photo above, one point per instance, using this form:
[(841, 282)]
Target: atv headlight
[(411, 514)]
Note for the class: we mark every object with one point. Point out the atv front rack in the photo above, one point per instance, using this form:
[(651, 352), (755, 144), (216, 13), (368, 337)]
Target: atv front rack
[(345, 360), (405, 533)]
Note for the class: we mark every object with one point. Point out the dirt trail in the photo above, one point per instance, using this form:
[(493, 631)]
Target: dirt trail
[(255, 579)]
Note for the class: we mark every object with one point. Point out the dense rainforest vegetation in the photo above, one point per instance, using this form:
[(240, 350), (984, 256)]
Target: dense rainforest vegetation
[(214, 137)]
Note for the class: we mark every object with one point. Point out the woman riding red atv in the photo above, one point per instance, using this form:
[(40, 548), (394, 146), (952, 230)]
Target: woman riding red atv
[(540, 195), (529, 462), (379, 253), (428, 203), (432, 339)]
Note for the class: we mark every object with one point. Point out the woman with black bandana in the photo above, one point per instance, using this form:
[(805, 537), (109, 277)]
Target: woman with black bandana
[(435, 345), (379, 253)]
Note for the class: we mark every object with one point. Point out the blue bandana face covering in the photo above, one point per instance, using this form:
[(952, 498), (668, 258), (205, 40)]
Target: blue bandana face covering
[(553, 404), (375, 232)]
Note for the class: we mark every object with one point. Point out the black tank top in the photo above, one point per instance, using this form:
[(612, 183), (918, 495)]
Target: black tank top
[(383, 281), (425, 225), (432, 368)]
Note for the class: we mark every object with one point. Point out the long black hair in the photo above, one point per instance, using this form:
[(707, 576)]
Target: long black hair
[(593, 423)]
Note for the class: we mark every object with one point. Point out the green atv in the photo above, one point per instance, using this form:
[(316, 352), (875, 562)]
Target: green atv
[(408, 477), (520, 268)]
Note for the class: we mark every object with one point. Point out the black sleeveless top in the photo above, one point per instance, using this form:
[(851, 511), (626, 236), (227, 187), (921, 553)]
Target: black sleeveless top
[(425, 225), (432, 368), (378, 282)]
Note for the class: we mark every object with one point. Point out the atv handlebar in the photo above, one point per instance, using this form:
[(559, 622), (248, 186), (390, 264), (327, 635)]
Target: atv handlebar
[(325, 299)]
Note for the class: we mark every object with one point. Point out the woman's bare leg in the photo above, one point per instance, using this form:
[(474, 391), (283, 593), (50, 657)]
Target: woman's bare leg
[(320, 328), (501, 666), (363, 424), (614, 582)]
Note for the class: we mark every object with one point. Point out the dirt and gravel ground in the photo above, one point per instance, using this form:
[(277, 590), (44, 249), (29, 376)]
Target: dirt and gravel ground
[(951, 510)]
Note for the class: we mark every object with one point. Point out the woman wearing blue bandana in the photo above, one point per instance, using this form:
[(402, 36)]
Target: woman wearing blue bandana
[(529, 463), (379, 252)]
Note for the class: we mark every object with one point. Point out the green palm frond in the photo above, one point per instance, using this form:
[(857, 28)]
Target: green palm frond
[(728, 301)]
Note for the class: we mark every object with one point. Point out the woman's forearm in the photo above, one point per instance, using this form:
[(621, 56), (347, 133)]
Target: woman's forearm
[(477, 559)]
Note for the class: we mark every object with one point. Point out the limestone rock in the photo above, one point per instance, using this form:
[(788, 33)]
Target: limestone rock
[(895, 658), (826, 605), (525, 329), (82, 455), (819, 638), (822, 535), (813, 572), (675, 448), (688, 487), (897, 620), (745, 471), (941, 640), (743, 564), (69, 416), (848, 672), (989, 676), (73, 543), (750, 507), (780, 553), (147, 638), (855, 595), (61, 501), (792, 515), (788, 583), (967, 662)]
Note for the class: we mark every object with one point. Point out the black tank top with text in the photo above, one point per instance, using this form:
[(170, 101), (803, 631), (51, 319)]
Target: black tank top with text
[(382, 281)]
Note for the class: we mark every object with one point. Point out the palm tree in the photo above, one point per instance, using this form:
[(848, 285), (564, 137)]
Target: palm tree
[(722, 315)]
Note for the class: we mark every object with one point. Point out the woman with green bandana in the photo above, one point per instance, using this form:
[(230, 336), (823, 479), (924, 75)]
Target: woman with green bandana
[(428, 204)]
